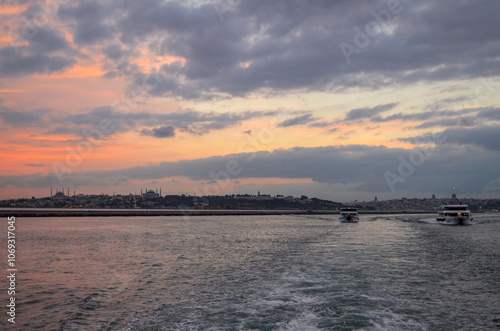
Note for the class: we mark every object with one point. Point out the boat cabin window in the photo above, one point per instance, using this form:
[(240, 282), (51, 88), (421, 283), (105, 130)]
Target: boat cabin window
[(455, 207)]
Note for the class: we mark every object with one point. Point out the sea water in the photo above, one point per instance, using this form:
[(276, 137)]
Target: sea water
[(387, 272)]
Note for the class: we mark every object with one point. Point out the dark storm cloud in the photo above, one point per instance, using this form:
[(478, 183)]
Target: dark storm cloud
[(441, 168)]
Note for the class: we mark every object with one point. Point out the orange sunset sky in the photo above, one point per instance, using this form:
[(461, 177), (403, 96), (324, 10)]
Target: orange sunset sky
[(330, 99)]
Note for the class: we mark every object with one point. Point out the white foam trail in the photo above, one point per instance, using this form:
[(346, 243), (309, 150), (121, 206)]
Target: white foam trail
[(302, 323)]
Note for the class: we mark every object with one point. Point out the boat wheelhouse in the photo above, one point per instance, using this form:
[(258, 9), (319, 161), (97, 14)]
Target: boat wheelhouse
[(349, 215), (454, 215)]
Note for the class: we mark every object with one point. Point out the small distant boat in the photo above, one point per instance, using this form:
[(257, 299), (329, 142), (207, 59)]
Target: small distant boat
[(454, 215), (349, 215)]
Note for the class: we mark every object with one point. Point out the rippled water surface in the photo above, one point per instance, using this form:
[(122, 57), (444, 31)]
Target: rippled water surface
[(396, 272)]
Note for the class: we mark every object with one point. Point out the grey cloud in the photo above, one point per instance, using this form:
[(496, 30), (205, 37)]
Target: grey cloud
[(322, 124), (364, 113), (115, 51), (48, 40), (427, 115), (446, 118), (440, 104), (39, 47), (449, 122), (486, 136), (491, 114), (13, 63), (91, 32), (299, 120), (35, 165), (20, 118), (160, 132), (84, 10), (90, 17)]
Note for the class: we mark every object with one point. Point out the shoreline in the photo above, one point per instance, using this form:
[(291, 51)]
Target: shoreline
[(26, 212)]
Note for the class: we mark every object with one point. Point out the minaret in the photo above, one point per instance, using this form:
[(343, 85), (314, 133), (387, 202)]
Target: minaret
[(160, 191), (51, 191)]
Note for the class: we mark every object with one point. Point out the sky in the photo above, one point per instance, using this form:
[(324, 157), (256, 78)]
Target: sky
[(336, 99)]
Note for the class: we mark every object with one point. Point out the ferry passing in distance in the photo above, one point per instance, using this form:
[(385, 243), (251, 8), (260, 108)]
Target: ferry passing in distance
[(349, 215), (454, 215)]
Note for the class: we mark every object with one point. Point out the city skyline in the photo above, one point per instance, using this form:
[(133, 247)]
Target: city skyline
[(134, 204), (337, 100), (62, 192)]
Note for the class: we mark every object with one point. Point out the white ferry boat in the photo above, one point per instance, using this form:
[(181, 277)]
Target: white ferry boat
[(349, 215), (454, 215)]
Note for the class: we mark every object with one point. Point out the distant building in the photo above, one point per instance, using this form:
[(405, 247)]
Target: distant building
[(150, 195), (58, 196), (254, 197)]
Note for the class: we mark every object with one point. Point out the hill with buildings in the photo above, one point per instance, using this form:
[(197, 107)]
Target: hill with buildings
[(153, 199)]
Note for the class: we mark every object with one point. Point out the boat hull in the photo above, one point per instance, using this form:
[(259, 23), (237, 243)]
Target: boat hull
[(349, 219), (454, 220)]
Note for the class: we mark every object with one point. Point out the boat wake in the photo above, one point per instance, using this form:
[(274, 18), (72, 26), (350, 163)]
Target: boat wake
[(434, 221)]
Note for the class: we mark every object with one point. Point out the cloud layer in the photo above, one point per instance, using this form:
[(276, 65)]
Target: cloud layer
[(249, 46), (366, 167)]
